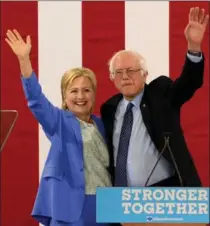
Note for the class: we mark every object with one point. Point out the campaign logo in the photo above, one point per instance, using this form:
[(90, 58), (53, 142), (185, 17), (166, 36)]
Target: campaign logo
[(149, 218)]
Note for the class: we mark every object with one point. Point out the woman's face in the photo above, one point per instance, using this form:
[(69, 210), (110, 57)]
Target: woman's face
[(80, 97)]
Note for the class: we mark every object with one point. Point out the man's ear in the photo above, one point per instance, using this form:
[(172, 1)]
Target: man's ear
[(145, 74), (111, 76)]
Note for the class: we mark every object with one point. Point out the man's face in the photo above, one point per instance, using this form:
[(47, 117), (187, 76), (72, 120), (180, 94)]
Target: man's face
[(129, 78)]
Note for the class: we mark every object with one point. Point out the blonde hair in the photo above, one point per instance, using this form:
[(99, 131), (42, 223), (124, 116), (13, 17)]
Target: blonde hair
[(70, 75), (141, 59)]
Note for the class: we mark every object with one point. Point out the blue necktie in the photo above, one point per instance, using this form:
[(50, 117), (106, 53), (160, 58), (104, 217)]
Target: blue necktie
[(121, 164)]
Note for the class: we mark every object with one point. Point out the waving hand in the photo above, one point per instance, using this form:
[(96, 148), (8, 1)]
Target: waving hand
[(21, 49), (196, 27)]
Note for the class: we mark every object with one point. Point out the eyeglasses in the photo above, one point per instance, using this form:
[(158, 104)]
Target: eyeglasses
[(128, 71)]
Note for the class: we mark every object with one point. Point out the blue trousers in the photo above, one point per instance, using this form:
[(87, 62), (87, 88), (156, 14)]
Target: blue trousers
[(88, 217)]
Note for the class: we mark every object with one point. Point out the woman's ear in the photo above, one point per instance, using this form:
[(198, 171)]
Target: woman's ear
[(64, 102)]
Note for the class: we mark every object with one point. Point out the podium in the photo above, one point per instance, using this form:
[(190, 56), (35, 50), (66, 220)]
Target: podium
[(8, 119)]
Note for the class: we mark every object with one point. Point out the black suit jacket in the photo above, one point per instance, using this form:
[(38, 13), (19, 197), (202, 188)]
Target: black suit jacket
[(160, 108)]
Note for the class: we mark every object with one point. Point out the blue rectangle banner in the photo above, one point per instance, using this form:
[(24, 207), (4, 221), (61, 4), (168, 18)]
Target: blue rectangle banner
[(152, 204)]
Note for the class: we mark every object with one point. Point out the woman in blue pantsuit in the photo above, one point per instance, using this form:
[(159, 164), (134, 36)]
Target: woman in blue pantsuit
[(78, 159)]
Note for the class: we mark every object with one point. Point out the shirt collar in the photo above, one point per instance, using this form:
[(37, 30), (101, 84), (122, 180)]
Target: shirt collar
[(136, 101)]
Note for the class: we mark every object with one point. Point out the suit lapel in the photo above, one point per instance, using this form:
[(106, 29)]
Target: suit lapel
[(145, 111), (110, 114), (75, 124), (144, 107), (77, 132), (99, 125)]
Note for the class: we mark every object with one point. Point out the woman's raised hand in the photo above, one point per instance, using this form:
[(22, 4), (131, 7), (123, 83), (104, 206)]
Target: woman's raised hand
[(20, 47), (22, 50)]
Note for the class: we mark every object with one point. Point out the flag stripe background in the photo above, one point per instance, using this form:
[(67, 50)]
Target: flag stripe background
[(195, 113), (59, 49), (19, 159), (69, 34), (144, 34), (103, 34)]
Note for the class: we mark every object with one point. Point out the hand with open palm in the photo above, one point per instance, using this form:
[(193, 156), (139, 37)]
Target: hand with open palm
[(195, 29), (21, 49)]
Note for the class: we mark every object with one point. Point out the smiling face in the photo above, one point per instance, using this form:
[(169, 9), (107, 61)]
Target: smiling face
[(79, 96), (128, 76)]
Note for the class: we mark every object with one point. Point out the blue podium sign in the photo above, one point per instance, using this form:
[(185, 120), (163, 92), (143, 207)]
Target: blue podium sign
[(158, 205)]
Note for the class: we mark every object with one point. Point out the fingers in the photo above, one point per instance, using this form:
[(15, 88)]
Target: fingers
[(14, 36), (8, 41), (191, 14), (28, 40), (206, 20), (10, 35), (198, 15), (202, 16), (194, 14), (17, 34)]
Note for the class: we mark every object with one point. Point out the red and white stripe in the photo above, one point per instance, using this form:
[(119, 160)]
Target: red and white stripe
[(67, 34)]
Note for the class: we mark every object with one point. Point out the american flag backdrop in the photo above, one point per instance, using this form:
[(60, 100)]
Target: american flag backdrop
[(67, 34)]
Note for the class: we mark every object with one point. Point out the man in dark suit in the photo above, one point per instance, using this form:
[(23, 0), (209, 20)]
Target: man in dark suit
[(142, 118)]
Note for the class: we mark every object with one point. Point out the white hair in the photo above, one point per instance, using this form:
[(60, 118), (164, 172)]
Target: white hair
[(141, 59)]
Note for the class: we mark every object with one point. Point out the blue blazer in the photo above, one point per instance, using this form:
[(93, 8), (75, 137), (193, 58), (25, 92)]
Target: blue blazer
[(62, 187)]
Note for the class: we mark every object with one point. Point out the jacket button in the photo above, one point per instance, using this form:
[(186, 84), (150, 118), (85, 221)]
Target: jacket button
[(81, 170)]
